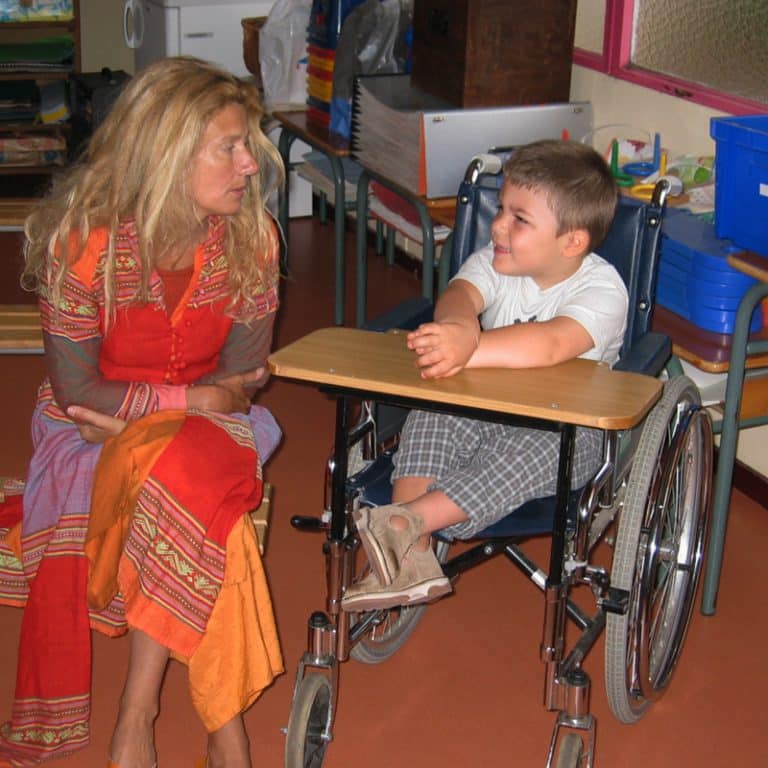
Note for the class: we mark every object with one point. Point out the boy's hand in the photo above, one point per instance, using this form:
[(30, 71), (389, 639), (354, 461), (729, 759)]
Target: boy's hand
[(443, 349)]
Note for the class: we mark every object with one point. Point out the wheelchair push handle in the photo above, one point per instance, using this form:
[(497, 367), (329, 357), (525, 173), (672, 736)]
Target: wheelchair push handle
[(479, 164)]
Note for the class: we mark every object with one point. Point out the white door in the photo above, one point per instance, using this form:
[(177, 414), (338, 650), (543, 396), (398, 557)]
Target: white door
[(151, 28)]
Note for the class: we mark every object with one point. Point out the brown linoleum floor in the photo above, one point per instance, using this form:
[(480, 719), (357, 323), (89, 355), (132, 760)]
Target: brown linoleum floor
[(466, 689)]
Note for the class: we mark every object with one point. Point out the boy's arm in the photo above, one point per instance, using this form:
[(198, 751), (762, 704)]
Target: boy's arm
[(444, 346), (531, 345)]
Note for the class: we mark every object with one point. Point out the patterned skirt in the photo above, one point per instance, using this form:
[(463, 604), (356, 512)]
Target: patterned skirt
[(151, 532)]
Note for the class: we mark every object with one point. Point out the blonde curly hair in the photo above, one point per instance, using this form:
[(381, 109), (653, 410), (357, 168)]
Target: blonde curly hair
[(137, 165)]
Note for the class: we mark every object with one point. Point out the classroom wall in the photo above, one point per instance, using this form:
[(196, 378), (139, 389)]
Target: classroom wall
[(682, 125)]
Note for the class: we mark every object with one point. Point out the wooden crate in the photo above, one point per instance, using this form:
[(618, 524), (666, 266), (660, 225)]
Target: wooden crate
[(260, 516), (485, 53)]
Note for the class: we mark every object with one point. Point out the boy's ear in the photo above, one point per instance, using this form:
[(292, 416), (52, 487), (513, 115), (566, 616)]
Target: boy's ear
[(576, 243)]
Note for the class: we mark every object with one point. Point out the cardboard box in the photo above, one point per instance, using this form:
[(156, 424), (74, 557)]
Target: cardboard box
[(488, 53)]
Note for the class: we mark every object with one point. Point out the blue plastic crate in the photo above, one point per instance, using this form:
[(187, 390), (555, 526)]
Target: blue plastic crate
[(741, 180), (695, 279)]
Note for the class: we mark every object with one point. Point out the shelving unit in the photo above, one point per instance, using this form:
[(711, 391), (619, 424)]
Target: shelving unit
[(29, 32)]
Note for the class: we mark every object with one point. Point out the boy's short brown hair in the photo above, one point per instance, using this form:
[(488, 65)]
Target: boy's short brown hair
[(576, 181)]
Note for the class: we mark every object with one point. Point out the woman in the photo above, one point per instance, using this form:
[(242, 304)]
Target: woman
[(156, 263)]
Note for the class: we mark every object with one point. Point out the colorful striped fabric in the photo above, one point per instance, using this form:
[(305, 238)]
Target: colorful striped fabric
[(136, 532)]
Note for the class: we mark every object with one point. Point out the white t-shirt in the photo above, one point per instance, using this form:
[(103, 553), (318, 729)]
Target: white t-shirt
[(595, 297)]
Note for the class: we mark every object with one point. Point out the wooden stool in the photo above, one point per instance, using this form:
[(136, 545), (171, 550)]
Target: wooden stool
[(260, 516), (20, 330)]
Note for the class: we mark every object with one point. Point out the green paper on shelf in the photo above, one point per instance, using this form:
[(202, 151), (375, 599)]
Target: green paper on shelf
[(50, 50)]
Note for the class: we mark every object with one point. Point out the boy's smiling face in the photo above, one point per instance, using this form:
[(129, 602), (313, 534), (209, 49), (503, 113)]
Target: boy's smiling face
[(525, 239)]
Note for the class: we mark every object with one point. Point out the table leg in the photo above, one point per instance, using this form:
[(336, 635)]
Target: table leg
[(283, 214), (741, 348), (361, 262), (556, 592), (339, 214), (427, 251)]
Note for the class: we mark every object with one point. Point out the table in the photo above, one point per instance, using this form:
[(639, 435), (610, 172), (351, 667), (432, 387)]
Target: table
[(355, 360), (297, 125), (746, 397), (430, 211)]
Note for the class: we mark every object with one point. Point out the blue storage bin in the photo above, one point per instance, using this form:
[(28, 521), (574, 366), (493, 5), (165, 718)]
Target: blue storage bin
[(695, 279), (741, 180)]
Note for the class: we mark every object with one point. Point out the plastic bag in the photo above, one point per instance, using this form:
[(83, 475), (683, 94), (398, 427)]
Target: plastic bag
[(372, 41), (283, 53)]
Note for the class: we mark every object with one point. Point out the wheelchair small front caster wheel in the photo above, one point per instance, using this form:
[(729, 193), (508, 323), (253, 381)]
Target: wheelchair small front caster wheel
[(571, 752), (310, 723)]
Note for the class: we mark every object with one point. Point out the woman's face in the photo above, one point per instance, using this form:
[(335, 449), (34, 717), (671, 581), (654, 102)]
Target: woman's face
[(222, 164)]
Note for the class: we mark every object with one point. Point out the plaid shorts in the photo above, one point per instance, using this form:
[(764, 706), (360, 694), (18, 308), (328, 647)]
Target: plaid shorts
[(488, 469)]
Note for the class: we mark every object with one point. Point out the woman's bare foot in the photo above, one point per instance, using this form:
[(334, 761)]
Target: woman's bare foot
[(133, 742), (228, 747)]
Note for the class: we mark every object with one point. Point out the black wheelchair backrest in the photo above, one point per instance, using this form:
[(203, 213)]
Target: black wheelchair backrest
[(632, 244)]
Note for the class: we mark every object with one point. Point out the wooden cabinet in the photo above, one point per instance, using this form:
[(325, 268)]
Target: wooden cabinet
[(13, 33), (485, 53)]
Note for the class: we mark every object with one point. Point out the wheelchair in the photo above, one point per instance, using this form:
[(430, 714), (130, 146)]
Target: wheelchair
[(648, 501)]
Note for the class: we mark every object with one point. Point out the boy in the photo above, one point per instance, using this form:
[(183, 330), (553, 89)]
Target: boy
[(543, 297)]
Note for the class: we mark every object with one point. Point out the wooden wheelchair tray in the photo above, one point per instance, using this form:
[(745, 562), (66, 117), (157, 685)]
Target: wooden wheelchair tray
[(579, 392)]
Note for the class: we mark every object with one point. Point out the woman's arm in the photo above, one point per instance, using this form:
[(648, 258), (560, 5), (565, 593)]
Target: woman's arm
[(245, 350), (73, 369)]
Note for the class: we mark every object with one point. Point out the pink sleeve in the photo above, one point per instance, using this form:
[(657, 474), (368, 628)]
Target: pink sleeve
[(171, 397)]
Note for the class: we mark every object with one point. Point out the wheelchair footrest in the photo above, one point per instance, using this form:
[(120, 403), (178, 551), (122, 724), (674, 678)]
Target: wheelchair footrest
[(308, 523)]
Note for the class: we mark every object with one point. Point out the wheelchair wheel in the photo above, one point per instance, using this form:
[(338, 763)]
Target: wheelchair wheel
[(571, 752), (659, 549), (388, 634), (306, 740), (392, 627)]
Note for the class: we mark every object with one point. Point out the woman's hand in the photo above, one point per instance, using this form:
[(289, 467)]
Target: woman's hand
[(229, 395), (443, 349), (95, 427)]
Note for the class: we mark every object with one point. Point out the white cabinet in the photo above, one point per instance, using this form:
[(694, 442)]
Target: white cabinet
[(204, 28)]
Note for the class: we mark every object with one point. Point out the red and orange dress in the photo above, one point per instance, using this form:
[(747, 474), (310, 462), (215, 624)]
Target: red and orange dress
[(149, 530)]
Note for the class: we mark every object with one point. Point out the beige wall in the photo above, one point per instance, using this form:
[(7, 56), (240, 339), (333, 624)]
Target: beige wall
[(683, 126), (101, 32)]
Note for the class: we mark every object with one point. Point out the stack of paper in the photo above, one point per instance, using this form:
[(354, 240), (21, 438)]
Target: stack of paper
[(424, 144), (386, 128), (317, 170), (45, 54)]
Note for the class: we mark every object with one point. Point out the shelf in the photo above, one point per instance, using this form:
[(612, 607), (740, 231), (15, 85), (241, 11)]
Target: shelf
[(41, 25), (37, 74), (28, 34), (29, 170), (25, 128)]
